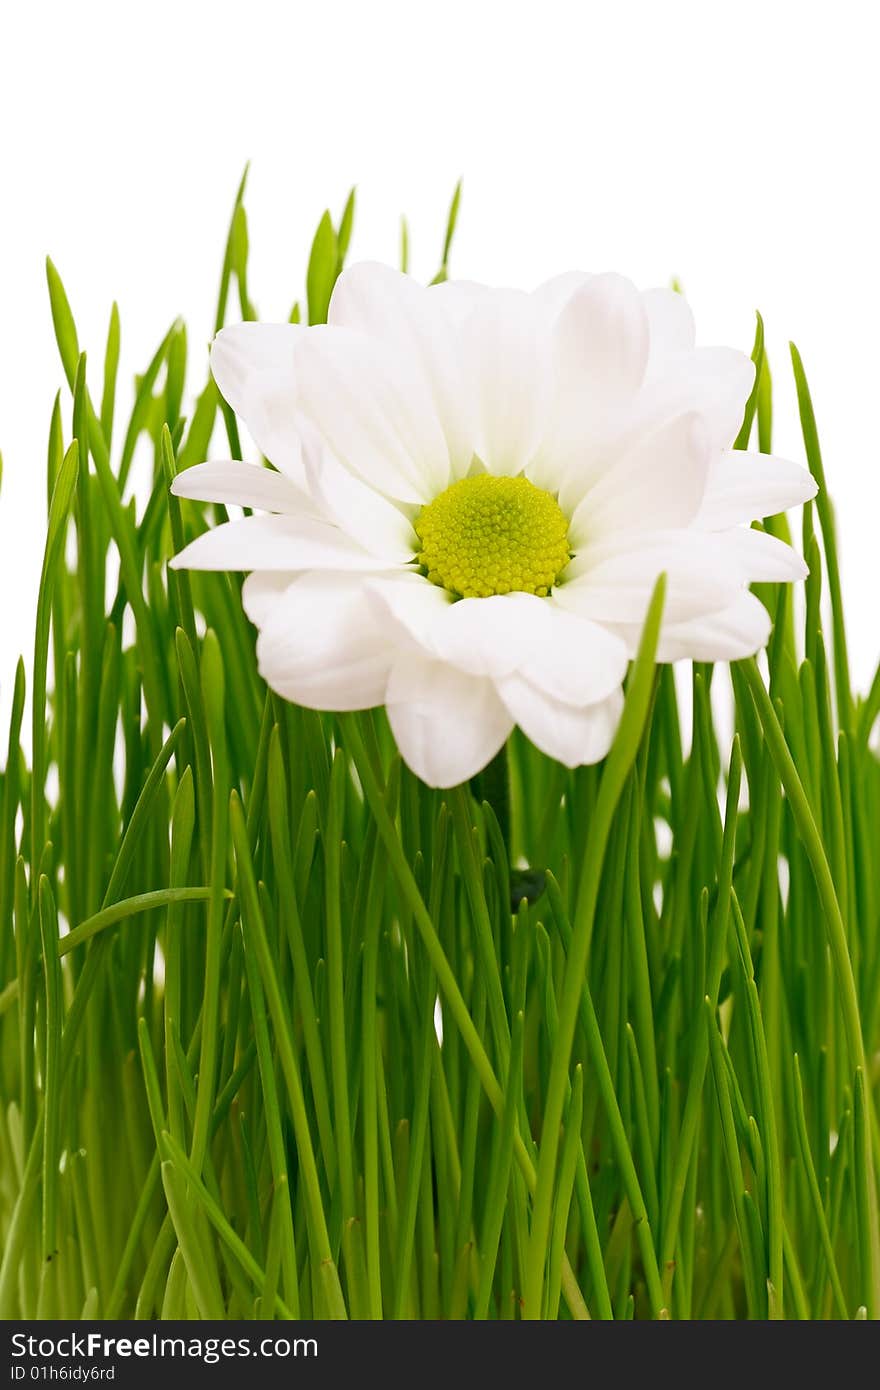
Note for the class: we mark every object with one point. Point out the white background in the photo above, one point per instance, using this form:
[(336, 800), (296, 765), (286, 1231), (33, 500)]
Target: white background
[(731, 144)]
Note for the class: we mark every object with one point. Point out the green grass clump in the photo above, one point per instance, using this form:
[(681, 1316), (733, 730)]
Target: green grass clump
[(226, 924)]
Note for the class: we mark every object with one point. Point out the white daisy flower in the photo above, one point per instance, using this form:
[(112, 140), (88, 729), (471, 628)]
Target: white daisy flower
[(476, 490)]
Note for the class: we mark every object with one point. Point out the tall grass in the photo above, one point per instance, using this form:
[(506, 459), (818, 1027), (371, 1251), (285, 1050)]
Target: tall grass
[(284, 1033)]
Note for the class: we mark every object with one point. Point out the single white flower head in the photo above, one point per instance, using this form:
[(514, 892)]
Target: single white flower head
[(476, 490)]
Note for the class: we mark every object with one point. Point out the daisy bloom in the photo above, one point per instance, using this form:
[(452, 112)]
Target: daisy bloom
[(474, 492)]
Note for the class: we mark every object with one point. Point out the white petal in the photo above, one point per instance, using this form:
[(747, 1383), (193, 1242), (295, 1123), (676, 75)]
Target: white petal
[(572, 736), (362, 513), (582, 663), (448, 725), (393, 308), (243, 485), (493, 636), (555, 293), (739, 630), (409, 608), (764, 558), (612, 582), (570, 658), (659, 482), (373, 411), (714, 381), (252, 364), (747, 487), (274, 543), (671, 326), (262, 590), (601, 342), (457, 298), (600, 348), (506, 359), (321, 646)]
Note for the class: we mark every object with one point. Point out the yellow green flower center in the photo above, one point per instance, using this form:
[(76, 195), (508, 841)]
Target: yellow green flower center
[(489, 535)]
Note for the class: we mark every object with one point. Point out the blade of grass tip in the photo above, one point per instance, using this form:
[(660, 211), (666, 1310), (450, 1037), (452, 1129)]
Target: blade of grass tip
[(404, 246), (201, 427), (174, 1295), (120, 523), (62, 319), (742, 439), (617, 768), (208, 1298), (240, 253), (451, 221), (220, 1223), (829, 536), (197, 728), (111, 370), (59, 510), (471, 871), (765, 408), (142, 409), (150, 1187), (346, 226), (226, 410), (226, 273), (124, 534), (175, 374), (178, 580), (642, 1126), (193, 1237), (837, 941), (869, 709), (323, 270), (55, 449)]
